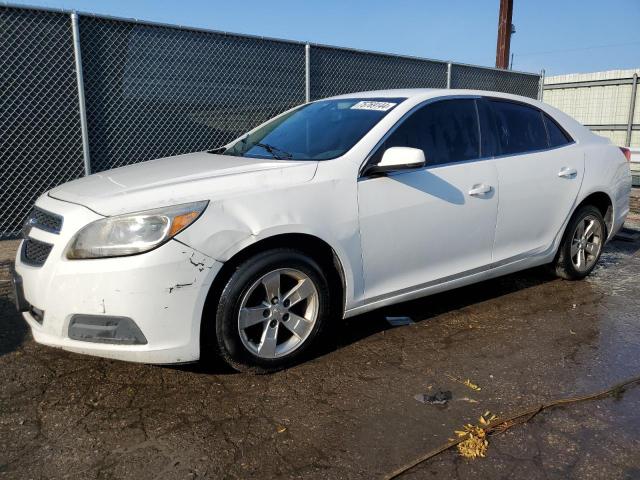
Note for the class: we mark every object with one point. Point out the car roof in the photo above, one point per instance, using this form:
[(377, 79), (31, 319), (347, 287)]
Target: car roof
[(426, 93), (418, 95)]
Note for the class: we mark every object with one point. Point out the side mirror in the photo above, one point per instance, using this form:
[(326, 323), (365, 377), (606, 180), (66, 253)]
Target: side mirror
[(399, 158)]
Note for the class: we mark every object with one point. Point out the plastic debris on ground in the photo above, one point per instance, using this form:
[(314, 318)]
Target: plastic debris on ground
[(399, 321), (438, 398), (467, 399)]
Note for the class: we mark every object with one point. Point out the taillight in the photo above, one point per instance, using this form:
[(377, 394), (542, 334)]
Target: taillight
[(627, 153)]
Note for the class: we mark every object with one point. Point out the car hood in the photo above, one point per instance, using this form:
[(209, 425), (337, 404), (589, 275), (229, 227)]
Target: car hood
[(179, 179)]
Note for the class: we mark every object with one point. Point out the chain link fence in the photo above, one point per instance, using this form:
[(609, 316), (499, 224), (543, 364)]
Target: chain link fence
[(154, 90), (335, 71), (478, 78), (40, 133)]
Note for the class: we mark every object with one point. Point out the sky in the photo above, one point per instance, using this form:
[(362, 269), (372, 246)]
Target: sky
[(559, 36)]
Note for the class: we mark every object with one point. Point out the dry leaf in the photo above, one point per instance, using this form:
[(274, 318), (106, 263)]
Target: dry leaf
[(281, 429), (471, 385), (466, 382), (475, 444)]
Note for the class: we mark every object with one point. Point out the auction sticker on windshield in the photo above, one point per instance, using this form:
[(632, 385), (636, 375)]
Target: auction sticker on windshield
[(370, 105)]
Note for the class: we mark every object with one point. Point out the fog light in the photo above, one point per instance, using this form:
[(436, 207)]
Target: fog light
[(37, 314), (103, 329)]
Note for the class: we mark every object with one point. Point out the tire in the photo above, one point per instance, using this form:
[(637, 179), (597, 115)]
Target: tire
[(248, 346), (569, 264)]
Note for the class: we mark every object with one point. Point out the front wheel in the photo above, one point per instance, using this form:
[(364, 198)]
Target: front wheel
[(272, 311), (582, 244)]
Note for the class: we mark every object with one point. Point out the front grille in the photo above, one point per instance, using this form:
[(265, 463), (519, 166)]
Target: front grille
[(35, 252), (44, 220)]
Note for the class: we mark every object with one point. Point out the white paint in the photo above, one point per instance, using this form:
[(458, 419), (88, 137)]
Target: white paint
[(397, 237)]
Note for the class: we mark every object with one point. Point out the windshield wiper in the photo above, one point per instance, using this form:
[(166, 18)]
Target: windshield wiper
[(217, 150), (272, 150)]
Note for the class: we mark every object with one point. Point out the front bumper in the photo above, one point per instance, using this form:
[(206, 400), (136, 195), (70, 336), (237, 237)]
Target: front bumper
[(163, 291)]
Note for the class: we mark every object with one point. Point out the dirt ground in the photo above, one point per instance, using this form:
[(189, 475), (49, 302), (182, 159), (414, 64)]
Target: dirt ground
[(351, 413)]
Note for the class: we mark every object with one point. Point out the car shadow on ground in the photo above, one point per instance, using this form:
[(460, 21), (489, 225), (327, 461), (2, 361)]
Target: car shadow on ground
[(424, 309), (13, 328), (358, 328)]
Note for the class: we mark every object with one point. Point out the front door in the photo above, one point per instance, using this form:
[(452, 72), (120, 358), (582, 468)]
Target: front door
[(433, 224)]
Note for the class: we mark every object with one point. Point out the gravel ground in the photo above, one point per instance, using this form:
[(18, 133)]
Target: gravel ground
[(351, 413)]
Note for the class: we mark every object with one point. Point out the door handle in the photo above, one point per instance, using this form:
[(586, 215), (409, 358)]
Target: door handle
[(481, 189), (567, 172)]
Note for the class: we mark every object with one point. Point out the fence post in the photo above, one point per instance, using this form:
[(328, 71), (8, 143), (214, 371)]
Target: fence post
[(307, 73), (75, 28), (541, 85), (448, 74), (632, 108)]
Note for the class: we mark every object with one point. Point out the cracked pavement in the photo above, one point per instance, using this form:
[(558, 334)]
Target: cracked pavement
[(351, 412)]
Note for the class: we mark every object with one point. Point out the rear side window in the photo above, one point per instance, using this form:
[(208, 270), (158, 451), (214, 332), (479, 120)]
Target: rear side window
[(519, 128), (557, 136), (447, 131)]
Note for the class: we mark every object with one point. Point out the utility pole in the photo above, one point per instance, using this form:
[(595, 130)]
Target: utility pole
[(504, 34)]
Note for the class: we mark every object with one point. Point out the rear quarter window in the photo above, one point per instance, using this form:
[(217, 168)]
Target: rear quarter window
[(557, 136)]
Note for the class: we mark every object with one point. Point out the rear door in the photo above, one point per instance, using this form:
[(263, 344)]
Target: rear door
[(540, 171), (425, 226)]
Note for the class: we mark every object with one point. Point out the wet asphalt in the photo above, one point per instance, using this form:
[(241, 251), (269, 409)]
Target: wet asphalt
[(351, 412)]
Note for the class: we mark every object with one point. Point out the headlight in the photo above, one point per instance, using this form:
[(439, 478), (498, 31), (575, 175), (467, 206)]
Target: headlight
[(133, 233)]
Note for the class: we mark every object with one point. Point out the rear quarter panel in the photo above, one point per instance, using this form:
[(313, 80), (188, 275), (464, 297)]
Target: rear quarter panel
[(606, 170)]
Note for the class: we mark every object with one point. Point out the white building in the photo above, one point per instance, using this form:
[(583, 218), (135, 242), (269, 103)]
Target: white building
[(603, 101)]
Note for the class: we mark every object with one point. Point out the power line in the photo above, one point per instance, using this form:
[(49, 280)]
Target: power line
[(593, 47)]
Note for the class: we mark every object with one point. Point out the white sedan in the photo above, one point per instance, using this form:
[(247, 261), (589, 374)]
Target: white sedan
[(334, 208)]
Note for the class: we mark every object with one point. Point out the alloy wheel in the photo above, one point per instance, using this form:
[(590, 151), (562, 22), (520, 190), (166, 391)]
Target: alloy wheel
[(278, 313), (586, 243)]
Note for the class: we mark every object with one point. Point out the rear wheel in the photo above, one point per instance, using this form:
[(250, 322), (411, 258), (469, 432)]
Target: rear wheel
[(272, 311), (582, 244)]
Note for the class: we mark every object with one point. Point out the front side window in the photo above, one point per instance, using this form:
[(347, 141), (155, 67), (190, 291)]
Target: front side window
[(317, 131), (446, 130), (519, 128)]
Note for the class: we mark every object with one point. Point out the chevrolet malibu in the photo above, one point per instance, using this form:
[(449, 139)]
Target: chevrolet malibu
[(251, 251)]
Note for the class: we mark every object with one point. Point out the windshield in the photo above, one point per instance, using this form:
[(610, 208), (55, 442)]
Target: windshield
[(317, 131)]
